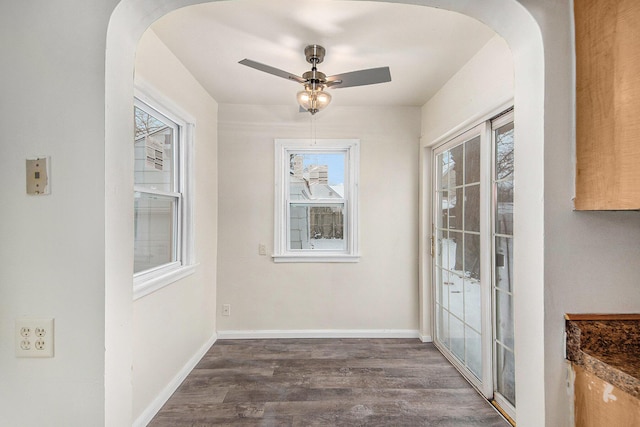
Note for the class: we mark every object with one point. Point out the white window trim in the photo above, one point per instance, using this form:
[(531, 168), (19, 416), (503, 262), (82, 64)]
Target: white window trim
[(149, 281), (280, 247)]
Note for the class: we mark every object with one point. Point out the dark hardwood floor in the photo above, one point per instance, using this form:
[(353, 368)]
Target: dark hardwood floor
[(325, 382)]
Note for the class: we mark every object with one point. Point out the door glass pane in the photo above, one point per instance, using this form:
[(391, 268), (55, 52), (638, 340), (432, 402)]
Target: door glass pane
[(442, 292), (472, 208), (456, 158), (504, 318), (472, 256), (504, 144), (443, 167), (504, 263), (319, 227), (472, 161), (504, 208), (316, 176), (154, 152), (456, 337), (442, 204), (505, 375), (443, 326), (473, 343), (456, 203), (154, 231), (456, 296), (456, 248), (472, 304), (503, 139)]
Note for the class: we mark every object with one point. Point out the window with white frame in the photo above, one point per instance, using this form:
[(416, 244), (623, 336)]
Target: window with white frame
[(162, 204), (316, 203)]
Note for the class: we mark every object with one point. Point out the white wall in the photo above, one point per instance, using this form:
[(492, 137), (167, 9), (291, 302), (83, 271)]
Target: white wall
[(480, 86), (171, 325), (52, 247), (379, 292)]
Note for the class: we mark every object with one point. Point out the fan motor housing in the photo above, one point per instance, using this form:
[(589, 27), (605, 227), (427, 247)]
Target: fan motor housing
[(314, 53)]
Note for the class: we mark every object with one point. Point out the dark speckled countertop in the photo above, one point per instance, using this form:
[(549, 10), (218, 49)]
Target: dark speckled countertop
[(608, 346)]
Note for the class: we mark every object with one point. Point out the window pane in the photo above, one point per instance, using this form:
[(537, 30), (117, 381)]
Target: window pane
[(154, 226), (319, 227), (154, 152), (316, 176)]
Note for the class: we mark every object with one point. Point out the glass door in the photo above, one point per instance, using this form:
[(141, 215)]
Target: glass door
[(502, 292), (473, 198), (459, 255)]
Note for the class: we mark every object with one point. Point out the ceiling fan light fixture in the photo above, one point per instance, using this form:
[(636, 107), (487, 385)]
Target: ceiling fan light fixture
[(313, 100)]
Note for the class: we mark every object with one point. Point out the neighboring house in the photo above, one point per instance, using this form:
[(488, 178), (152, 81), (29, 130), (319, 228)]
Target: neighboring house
[(314, 227)]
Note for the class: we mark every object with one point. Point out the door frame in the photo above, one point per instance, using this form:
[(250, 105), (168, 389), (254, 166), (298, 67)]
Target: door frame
[(428, 182)]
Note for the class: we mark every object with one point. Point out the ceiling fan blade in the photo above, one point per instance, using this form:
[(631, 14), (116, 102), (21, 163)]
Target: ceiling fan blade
[(360, 78), (271, 70)]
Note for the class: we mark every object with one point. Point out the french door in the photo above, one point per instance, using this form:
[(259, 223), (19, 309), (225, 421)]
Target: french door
[(472, 257)]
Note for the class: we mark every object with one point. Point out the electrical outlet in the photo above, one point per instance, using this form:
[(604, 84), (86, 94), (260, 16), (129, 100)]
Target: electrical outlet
[(34, 337), (226, 309), (262, 249)]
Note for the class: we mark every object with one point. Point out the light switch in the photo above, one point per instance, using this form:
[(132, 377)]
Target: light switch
[(38, 176)]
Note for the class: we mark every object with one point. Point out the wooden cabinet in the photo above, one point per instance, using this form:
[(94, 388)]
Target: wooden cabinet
[(608, 104)]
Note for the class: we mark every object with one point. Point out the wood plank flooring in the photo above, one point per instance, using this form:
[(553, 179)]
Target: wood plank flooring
[(325, 382)]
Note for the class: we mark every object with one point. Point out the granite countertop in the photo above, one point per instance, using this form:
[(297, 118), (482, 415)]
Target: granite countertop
[(608, 346)]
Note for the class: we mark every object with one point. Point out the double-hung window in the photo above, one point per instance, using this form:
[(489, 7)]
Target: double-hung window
[(162, 237), (316, 207)]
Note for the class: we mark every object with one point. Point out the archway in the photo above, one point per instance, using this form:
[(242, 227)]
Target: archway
[(507, 17)]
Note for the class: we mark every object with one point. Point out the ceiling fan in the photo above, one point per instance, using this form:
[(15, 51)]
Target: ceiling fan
[(313, 98)]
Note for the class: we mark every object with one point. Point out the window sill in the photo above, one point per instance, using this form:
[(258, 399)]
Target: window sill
[(316, 258), (152, 281)]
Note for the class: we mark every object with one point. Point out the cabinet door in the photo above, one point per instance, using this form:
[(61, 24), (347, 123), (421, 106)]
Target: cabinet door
[(607, 104)]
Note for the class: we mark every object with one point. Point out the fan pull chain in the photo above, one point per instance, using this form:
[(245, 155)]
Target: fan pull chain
[(313, 130)]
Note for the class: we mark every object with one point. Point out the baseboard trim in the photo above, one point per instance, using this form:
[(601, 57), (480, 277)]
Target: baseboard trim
[(319, 333), (147, 415), (426, 338)]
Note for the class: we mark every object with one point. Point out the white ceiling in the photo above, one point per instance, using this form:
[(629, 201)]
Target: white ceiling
[(422, 46)]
